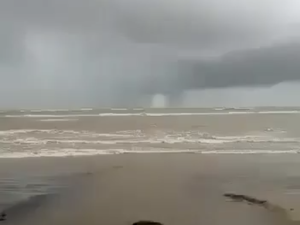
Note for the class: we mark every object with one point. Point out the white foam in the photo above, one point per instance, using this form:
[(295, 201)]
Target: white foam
[(50, 110), (28, 136), (18, 131), (219, 109), (251, 152), (256, 139), (279, 112), (240, 112), (93, 152), (59, 153), (35, 141), (85, 152), (234, 108), (119, 109), (60, 132), (50, 115), (56, 110), (144, 140), (216, 151), (219, 113), (121, 114), (57, 120), (86, 109)]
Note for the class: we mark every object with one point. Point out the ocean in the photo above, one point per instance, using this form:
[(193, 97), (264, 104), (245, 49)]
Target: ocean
[(41, 133)]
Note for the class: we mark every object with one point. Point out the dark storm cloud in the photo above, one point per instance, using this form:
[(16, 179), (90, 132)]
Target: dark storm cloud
[(111, 51), (255, 67)]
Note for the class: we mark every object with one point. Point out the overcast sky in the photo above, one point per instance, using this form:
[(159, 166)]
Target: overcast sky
[(57, 53)]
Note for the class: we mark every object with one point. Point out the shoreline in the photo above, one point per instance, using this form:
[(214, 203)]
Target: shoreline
[(74, 153)]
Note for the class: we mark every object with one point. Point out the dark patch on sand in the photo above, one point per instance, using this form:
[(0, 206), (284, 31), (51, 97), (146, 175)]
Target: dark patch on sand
[(24, 208), (283, 216), (2, 216), (248, 199), (147, 222)]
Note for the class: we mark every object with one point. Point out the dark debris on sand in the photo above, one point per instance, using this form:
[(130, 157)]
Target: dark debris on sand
[(147, 222), (248, 199), (2, 216)]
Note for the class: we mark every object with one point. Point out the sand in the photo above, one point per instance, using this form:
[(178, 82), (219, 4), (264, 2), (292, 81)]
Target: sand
[(173, 189)]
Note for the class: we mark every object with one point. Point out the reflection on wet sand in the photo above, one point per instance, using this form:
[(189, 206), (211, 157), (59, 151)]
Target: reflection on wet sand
[(168, 189)]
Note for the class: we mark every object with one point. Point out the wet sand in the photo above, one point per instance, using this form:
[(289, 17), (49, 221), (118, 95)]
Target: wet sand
[(169, 188)]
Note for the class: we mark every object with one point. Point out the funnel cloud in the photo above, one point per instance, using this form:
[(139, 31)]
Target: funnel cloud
[(73, 53)]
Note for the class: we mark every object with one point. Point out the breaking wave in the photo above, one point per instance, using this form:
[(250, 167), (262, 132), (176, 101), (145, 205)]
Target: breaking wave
[(122, 113), (93, 152), (61, 143)]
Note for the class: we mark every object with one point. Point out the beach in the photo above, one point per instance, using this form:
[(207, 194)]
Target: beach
[(173, 166), (168, 188)]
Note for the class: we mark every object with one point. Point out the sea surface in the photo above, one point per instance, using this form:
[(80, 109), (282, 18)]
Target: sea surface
[(59, 132)]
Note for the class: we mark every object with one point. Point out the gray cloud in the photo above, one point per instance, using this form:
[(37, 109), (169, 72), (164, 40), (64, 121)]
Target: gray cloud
[(104, 52), (255, 67)]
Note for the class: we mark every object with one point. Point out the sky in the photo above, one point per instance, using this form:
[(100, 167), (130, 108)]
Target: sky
[(73, 53)]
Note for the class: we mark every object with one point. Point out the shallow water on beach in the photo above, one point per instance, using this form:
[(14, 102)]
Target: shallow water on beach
[(172, 189)]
